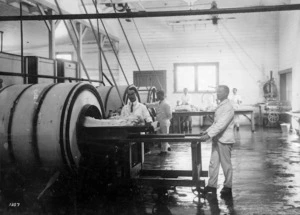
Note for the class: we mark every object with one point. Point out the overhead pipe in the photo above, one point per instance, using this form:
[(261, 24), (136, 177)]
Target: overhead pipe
[(48, 76), (145, 14)]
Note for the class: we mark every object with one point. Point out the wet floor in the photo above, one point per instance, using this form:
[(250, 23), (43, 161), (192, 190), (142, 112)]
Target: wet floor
[(266, 180)]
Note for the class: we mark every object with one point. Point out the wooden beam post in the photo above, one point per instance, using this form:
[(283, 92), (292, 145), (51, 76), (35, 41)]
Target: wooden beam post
[(52, 50), (79, 29)]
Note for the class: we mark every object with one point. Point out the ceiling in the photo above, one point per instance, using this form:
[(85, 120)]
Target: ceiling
[(12, 31)]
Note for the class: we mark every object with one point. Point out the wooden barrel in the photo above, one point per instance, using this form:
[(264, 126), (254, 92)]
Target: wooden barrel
[(111, 98), (39, 124), (147, 95)]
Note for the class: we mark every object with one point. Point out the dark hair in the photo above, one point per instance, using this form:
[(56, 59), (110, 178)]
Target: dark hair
[(225, 87), (132, 87), (161, 92)]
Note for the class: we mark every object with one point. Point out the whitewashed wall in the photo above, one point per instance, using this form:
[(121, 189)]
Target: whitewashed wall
[(246, 48), (290, 51)]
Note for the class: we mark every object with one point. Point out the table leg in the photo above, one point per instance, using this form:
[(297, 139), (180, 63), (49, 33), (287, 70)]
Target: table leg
[(252, 121), (195, 161), (179, 124)]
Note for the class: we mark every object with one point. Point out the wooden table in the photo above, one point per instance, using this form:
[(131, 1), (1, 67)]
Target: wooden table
[(177, 115), (94, 138)]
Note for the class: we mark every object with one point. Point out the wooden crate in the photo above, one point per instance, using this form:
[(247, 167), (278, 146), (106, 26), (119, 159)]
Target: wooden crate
[(40, 66), (10, 63), (66, 68)]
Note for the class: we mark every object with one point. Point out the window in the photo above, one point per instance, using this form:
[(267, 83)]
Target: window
[(197, 77), (65, 55)]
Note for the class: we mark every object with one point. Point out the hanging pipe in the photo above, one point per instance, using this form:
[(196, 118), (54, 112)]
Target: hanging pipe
[(127, 40), (109, 42), (147, 53), (73, 42), (105, 59)]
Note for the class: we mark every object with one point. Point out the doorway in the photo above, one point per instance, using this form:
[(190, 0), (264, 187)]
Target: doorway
[(285, 81)]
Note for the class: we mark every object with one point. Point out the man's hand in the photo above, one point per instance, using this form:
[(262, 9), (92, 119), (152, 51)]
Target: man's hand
[(204, 138)]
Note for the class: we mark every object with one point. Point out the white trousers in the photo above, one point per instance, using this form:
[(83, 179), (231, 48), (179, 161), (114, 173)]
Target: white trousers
[(164, 129), (220, 154)]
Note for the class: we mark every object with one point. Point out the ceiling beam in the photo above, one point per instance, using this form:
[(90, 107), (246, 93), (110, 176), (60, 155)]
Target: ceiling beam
[(145, 14)]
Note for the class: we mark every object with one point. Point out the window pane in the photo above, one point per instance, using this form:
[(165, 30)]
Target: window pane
[(65, 56), (207, 76), (185, 78)]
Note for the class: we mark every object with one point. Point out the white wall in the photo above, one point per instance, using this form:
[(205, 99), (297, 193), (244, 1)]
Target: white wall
[(289, 50), (246, 48)]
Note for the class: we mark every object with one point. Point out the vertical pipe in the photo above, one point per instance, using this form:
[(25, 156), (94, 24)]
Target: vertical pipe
[(1, 35), (22, 58), (52, 37), (100, 65), (79, 43)]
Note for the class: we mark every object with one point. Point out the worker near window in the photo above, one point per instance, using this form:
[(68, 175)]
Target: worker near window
[(236, 101), (163, 116), (221, 132), (186, 99), (135, 109)]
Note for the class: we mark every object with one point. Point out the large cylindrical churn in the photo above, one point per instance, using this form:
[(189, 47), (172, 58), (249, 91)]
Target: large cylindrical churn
[(147, 95), (111, 98), (39, 125)]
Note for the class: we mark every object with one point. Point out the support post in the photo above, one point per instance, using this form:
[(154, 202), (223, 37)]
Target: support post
[(79, 44)]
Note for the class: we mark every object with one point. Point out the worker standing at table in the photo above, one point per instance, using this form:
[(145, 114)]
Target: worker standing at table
[(186, 99), (221, 132), (236, 101), (163, 117)]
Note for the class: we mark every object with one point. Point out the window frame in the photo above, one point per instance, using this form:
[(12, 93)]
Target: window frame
[(196, 65)]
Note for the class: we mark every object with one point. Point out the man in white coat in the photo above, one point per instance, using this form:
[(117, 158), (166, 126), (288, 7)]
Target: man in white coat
[(236, 101), (221, 132), (163, 116), (135, 109)]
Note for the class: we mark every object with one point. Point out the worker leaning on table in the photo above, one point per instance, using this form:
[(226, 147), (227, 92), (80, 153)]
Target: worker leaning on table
[(221, 132), (163, 116)]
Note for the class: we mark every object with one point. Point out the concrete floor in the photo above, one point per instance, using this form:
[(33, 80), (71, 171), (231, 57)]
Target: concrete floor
[(266, 175), (266, 181)]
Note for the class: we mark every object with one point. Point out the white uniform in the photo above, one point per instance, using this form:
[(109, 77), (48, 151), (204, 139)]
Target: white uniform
[(221, 132), (138, 110), (186, 99), (163, 116)]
